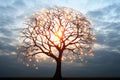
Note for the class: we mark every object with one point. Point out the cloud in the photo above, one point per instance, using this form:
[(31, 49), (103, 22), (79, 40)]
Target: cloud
[(7, 42), (100, 47), (6, 48), (108, 25), (10, 12), (6, 20), (106, 22), (5, 32), (19, 4)]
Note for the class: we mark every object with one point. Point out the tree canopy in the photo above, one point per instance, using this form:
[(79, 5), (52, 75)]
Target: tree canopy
[(57, 31)]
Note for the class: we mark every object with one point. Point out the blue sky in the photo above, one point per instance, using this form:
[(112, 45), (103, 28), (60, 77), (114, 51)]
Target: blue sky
[(105, 18)]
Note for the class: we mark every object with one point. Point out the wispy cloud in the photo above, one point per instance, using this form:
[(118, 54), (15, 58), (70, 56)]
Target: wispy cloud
[(106, 23)]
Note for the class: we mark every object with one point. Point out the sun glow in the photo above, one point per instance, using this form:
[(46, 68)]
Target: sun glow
[(52, 32), (56, 38), (58, 34)]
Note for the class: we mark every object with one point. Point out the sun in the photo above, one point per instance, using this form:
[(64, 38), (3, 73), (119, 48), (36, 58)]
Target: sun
[(58, 35)]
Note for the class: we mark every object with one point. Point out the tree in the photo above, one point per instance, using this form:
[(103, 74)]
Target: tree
[(57, 31)]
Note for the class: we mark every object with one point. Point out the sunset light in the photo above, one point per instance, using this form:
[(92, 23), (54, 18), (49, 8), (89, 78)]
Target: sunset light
[(59, 38), (56, 32)]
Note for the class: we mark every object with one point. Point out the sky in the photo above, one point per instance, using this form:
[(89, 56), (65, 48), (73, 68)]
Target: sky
[(105, 18)]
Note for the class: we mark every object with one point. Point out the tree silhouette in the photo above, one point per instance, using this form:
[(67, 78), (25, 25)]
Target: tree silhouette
[(57, 31)]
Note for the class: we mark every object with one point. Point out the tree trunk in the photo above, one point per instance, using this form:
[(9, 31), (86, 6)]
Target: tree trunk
[(58, 75)]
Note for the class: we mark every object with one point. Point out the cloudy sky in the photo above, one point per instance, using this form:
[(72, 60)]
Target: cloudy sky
[(105, 18)]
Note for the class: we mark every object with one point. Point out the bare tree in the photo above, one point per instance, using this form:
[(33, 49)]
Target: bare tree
[(57, 31)]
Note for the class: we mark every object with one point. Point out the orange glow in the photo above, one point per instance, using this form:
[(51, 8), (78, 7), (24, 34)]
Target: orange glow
[(57, 37), (59, 34), (53, 61), (63, 58)]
